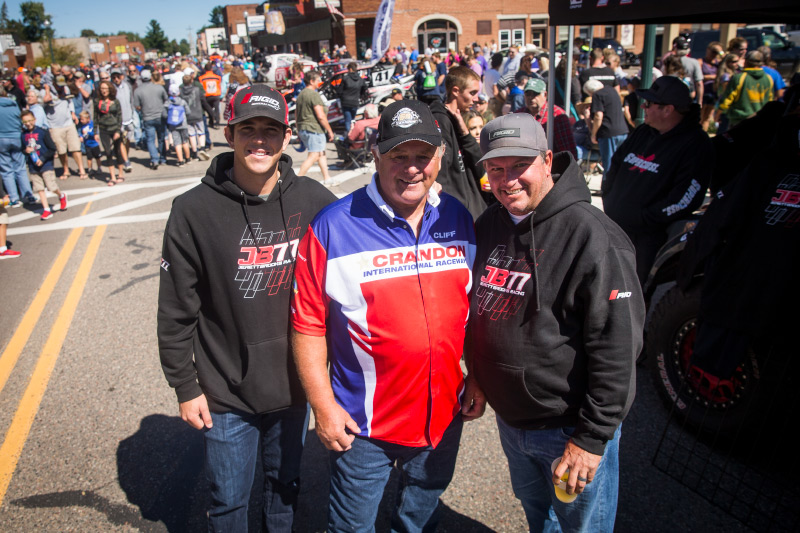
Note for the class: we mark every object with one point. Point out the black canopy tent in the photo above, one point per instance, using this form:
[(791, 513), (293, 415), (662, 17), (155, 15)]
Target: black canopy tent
[(586, 12), (591, 12)]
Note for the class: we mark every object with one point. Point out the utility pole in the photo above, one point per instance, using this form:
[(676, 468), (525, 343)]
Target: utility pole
[(192, 42)]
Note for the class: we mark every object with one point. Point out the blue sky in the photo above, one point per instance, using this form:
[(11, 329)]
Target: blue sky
[(107, 16)]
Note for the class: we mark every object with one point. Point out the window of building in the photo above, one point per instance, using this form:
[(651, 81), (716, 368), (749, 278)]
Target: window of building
[(437, 34), (610, 32), (511, 37)]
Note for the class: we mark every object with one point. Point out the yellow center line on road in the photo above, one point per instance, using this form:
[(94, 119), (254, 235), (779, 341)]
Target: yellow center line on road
[(20, 427), (8, 359)]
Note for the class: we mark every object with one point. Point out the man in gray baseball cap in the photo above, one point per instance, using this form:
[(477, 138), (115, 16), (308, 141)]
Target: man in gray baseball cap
[(555, 325)]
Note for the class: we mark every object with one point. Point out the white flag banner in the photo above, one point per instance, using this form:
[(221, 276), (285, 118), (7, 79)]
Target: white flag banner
[(382, 32)]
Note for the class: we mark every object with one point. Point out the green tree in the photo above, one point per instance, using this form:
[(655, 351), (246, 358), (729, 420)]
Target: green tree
[(8, 25), (216, 17), (4, 16), (155, 38), (88, 33), (64, 55), (184, 47), (33, 19)]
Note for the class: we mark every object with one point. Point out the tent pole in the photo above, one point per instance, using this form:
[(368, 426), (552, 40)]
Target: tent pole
[(591, 39), (551, 83), (648, 60), (568, 75)]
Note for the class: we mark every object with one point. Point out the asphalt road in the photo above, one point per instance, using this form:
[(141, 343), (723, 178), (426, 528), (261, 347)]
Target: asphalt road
[(91, 437)]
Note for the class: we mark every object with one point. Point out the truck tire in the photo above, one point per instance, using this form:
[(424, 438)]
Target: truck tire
[(669, 344)]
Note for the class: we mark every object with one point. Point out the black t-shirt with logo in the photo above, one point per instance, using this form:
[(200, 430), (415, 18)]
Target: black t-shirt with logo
[(607, 100), (604, 74)]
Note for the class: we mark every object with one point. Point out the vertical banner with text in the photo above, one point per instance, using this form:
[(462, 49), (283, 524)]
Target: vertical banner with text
[(382, 32)]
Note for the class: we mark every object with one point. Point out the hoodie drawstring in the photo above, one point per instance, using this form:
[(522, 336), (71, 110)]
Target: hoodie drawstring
[(247, 219), (283, 217), (535, 270), (247, 215)]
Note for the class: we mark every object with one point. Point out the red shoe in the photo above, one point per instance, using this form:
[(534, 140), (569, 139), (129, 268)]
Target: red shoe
[(63, 201), (9, 254), (46, 215)]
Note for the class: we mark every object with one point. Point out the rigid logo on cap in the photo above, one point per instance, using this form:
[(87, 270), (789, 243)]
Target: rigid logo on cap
[(508, 132), (405, 118), (249, 98)]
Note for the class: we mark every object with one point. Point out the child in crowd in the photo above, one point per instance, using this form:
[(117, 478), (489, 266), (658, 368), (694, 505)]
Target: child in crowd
[(41, 150), (90, 140), (516, 96), (177, 109)]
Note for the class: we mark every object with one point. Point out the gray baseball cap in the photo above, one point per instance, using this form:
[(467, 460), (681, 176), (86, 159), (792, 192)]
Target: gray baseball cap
[(516, 134)]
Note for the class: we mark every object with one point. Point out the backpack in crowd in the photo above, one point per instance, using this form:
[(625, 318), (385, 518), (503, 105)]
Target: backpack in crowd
[(176, 114)]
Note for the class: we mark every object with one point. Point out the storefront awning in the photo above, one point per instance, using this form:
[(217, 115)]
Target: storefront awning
[(303, 33)]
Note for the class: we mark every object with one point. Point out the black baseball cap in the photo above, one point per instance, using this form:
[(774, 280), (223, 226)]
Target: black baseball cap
[(667, 90), (681, 43), (407, 120), (258, 100)]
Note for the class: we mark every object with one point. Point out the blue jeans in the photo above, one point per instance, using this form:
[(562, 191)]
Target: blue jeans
[(154, 134), (530, 454), (349, 115), (137, 128), (609, 145), (208, 136), (359, 475), (231, 453), (583, 153), (12, 167)]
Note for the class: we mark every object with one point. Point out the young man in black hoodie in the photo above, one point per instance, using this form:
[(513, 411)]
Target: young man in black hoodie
[(223, 312), (661, 171), (555, 325), (460, 174)]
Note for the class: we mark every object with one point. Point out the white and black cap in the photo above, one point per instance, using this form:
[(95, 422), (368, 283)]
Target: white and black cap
[(407, 120)]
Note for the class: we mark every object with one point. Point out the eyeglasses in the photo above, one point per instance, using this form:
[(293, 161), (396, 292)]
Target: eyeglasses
[(647, 104)]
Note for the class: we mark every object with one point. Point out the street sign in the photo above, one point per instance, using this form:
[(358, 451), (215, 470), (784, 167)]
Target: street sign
[(256, 23)]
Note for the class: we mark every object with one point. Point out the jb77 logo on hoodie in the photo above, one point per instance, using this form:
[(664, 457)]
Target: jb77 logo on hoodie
[(506, 280), (500, 292), (267, 257)]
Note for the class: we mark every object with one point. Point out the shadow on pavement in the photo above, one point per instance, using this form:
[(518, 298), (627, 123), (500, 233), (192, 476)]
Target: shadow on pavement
[(160, 469)]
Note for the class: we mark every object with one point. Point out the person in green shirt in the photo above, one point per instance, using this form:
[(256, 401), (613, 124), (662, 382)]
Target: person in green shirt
[(312, 126)]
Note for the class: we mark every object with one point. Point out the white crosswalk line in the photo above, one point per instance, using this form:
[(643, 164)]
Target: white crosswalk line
[(105, 216)]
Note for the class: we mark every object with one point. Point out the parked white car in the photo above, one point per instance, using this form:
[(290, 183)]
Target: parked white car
[(279, 73)]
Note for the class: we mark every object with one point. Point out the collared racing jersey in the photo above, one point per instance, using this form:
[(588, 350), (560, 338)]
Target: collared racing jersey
[(394, 307)]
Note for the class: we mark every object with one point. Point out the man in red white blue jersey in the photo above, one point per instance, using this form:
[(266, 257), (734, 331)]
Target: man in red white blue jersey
[(382, 287)]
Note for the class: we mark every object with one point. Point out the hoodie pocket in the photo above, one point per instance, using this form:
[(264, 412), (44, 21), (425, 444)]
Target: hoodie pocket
[(269, 377), (506, 391)]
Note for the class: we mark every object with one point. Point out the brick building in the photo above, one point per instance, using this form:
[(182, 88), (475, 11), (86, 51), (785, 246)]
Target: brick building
[(310, 27)]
